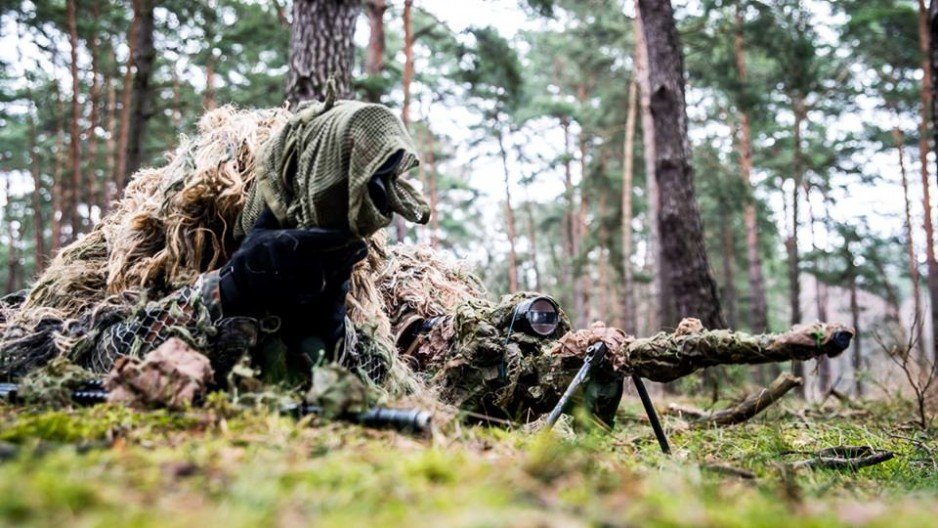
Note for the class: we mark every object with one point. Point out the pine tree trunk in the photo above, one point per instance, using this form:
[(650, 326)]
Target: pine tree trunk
[(899, 139), (406, 78), (74, 187), (321, 46), (728, 247), (430, 162), (12, 251), (35, 171), (88, 185), (692, 289), (106, 184), (583, 316), (374, 58), (509, 220), (142, 93), (58, 179), (628, 176), (758, 308), (120, 163), (926, 94), (657, 266), (571, 246), (791, 244), (209, 99), (532, 239), (857, 350)]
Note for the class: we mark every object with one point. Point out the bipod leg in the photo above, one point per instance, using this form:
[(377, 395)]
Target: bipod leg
[(652, 415)]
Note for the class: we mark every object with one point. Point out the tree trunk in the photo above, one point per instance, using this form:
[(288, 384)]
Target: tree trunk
[(142, 93), (899, 140), (58, 179), (74, 187), (628, 176), (406, 78), (926, 95), (374, 58), (209, 100), (820, 293), (692, 289), (728, 247), (321, 46), (91, 177), (655, 264), (571, 244), (110, 146), (509, 220), (855, 316), (430, 162), (758, 308), (13, 257), (35, 172), (791, 245), (532, 238), (582, 317), (120, 163)]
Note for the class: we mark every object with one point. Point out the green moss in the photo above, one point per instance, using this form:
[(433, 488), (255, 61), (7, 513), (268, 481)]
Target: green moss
[(253, 468)]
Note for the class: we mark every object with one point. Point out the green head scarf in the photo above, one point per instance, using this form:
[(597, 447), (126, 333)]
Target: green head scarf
[(315, 171)]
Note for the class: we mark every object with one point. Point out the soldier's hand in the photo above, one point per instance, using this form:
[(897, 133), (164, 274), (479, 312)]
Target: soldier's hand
[(277, 269)]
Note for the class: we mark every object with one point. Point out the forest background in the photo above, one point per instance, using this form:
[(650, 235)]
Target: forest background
[(809, 123)]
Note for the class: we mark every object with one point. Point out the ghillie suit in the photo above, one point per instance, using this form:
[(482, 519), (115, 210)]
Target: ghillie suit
[(144, 273)]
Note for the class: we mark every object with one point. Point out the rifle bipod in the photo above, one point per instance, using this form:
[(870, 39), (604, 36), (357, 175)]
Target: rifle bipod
[(594, 356)]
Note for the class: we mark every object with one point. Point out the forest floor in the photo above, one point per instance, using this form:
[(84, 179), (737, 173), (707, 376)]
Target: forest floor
[(110, 466)]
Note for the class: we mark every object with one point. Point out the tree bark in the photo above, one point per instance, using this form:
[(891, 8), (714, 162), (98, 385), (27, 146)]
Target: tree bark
[(692, 289), (142, 93), (791, 244), (571, 245), (923, 148), (110, 147), (653, 263), (406, 78), (374, 58), (120, 163), (74, 187), (758, 308), (58, 180), (321, 46), (39, 228), (855, 316), (628, 176), (914, 274), (13, 257), (89, 183), (509, 219), (583, 315)]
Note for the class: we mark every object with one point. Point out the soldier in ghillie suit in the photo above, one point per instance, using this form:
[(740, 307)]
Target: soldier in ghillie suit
[(262, 238)]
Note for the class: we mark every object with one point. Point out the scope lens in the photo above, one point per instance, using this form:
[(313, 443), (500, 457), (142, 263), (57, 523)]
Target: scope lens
[(542, 317)]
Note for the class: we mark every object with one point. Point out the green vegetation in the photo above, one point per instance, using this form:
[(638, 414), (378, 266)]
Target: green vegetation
[(108, 466)]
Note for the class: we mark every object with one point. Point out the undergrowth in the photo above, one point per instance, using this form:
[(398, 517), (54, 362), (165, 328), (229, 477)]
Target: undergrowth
[(107, 466)]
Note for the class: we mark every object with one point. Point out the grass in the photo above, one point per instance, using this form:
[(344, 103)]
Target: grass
[(107, 466)]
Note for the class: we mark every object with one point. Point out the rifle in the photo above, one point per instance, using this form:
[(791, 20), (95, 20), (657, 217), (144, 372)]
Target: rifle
[(594, 356), (415, 421)]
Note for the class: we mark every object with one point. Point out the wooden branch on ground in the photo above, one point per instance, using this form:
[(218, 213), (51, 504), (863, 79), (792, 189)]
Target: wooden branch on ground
[(746, 409), (845, 457)]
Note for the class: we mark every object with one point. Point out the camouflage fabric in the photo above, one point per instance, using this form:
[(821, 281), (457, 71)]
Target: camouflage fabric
[(314, 172)]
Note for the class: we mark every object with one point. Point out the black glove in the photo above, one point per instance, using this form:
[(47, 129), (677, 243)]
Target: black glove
[(279, 270)]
